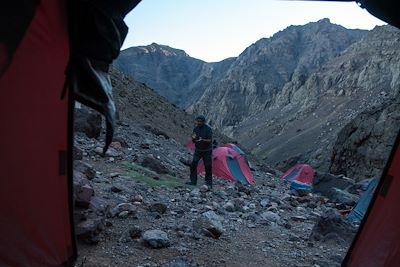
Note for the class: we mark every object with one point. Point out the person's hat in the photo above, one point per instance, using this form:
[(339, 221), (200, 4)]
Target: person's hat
[(200, 118)]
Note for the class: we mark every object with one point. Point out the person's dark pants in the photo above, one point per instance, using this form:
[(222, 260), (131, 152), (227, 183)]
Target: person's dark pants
[(206, 156)]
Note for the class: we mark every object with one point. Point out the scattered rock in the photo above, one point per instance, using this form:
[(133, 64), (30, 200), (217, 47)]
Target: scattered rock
[(195, 192), (158, 207), (116, 145), (238, 203), (298, 218), (209, 224), (115, 189), (179, 262), (359, 187), (145, 145), (88, 229), (156, 239), (155, 131), (341, 196), (264, 203), (85, 168), (301, 192), (229, 206), (83, 194), (269, 216), (331, 222), (113, 153), (87, 122), (124, 214), (204, 188), (137, 199), (77, 153), (154, 165), (99, 205), (131, 209), (135, 232), (324, 182)]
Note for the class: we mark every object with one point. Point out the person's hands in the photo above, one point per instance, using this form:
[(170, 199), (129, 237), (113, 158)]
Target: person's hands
[(194, 136)]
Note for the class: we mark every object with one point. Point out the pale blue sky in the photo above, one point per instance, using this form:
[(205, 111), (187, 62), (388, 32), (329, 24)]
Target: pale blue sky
[(213, 30)]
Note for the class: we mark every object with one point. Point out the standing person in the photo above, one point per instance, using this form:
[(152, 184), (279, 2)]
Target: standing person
[(202, 138)]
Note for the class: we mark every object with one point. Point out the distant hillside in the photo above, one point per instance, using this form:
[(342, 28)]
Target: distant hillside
[(304, 118), (171, 72), (141, 106)]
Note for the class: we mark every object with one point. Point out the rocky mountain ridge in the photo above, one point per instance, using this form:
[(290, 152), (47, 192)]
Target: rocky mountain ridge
[(171, 72), (286, 97), (255, 78), (303, 124)]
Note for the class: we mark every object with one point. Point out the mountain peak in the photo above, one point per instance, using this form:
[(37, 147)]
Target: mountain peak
[(163, 49), (324, 20)]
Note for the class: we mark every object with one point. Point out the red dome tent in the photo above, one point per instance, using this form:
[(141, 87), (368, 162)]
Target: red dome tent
[(234, 147), (229, 165), (300, 176)]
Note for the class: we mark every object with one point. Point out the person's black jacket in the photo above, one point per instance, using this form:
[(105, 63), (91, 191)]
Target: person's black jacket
[(203, 132)]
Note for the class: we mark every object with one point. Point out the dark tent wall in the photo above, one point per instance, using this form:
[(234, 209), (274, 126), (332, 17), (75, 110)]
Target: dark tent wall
[(378, 240), (35, 227)]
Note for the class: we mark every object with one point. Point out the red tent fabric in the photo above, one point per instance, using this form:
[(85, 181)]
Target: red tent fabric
[(302, 173), (234, 147), (229, 165), (377, 242), (35, 226)]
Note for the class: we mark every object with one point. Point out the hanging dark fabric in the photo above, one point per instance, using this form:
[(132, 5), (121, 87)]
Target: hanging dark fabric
[(97, 31)]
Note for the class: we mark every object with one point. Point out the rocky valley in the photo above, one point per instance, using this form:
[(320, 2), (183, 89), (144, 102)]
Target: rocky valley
[(132, 207), (285, 98), (318, 94)]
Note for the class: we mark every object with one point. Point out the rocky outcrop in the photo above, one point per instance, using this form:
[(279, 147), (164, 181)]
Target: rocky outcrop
[(364, 144), (303, 122), (88, 122), (331, 226), (254, 79), (142, 107)]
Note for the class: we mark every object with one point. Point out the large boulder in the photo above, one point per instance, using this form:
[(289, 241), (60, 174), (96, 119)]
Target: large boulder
[(341, 196), (83, 191), (156, 238), (122, 208), (87, 122), (209, 224), (99, 205), (333, 226), (88, 229), (324, 182), (154, 165), (364, 144), (85, 168), (360, 186), (77, 153)]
